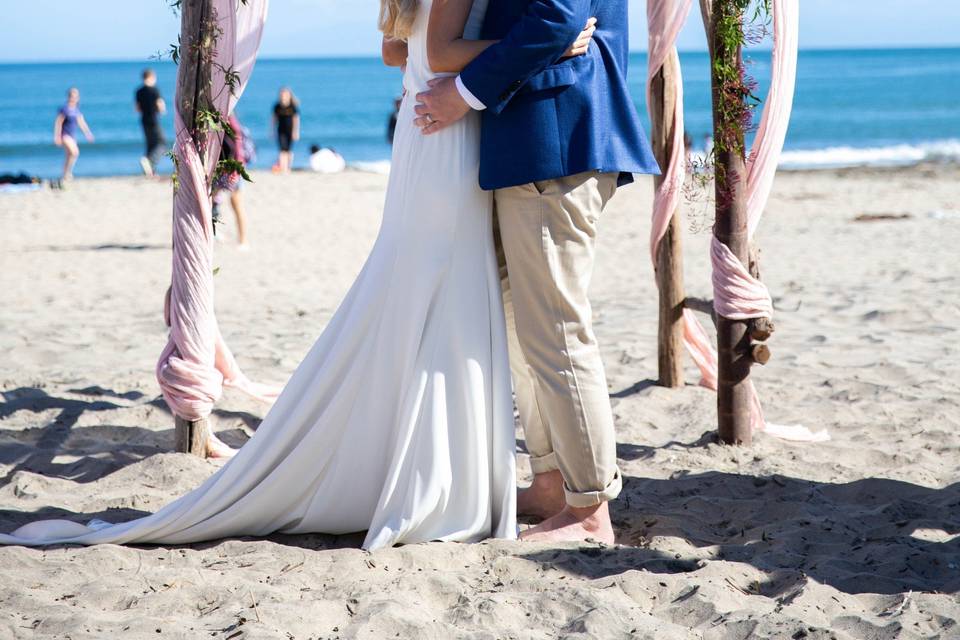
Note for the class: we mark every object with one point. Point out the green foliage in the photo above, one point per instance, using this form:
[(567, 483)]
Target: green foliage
[(228, 166), (207, 120), (174, 178), (736, 100), (736, 23), (231, 79), (174, 52)]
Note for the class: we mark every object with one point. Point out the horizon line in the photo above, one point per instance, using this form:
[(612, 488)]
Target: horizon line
[(370, 56)]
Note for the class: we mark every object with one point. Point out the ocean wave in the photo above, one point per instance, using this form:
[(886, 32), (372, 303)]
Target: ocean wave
[(886, 156)]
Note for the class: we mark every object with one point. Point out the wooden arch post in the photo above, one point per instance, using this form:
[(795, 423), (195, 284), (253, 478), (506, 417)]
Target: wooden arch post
[(194, 87), (669, 265), (730, 229)]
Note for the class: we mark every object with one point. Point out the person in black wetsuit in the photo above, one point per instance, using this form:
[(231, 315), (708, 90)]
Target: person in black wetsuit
[(150, 106), (286, 122)]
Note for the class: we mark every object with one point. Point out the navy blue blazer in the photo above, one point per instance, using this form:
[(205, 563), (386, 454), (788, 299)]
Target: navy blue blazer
[(549, 118)]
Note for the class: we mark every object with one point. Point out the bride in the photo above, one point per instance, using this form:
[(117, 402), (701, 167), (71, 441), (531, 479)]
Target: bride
[(399, 421)]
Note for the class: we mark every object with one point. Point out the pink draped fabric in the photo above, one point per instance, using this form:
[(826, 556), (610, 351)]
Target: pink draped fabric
[(737, 295), (665, 19), (196, 363)]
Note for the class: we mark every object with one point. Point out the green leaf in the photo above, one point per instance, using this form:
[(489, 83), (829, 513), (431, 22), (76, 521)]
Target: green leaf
[(232, 165)]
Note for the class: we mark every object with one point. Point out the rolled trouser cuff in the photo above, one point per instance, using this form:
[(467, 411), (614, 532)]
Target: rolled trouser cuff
[(593, 498), (544, 464)]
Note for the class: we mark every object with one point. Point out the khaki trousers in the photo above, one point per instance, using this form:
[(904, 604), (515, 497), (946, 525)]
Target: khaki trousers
[(546, 237)]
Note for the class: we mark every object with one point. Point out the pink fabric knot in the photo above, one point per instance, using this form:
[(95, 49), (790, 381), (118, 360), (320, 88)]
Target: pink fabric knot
[(736, 294), (190, 389)]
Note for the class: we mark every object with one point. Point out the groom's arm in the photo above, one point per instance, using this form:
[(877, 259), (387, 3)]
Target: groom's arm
[(538, 40)]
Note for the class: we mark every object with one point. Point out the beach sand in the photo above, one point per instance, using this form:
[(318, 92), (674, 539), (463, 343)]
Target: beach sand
[(855, 538)]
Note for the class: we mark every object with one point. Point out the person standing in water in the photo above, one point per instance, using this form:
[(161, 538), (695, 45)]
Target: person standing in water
[(150, 106), (286, 122), (69, 121)]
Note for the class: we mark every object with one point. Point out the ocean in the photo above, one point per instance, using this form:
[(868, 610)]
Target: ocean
[(852, 107)]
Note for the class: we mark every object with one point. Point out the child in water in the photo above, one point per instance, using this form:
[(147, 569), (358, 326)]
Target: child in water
[(69, 120)]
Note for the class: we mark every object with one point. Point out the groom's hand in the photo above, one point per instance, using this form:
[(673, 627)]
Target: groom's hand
[(439, 107)]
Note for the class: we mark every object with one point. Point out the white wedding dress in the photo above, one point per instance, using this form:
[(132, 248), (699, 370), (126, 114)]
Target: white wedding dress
[(399, 421)]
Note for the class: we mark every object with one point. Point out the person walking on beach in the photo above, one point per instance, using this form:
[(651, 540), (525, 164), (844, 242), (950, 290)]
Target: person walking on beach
[(150, 106), (227, 184), (286, 122), (69, 121)]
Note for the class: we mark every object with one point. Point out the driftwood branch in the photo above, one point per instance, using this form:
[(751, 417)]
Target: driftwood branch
[(701, 305), (760, 353), (760, 329)]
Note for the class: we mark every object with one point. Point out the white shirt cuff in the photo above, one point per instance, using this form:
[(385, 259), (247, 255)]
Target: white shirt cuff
[(468, 97)]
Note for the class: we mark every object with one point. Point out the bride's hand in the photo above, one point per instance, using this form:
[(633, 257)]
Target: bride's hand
[(582, 44)]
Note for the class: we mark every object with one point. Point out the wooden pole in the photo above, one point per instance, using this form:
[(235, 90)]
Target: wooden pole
[(192, 436), (706, 10), (669, 265), (197, 38), (730, 228)]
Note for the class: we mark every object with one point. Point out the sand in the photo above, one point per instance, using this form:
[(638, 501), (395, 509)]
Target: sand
[(856, 538)]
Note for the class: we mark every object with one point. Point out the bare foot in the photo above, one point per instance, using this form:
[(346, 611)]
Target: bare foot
[(574, 524), (544, 497), (217, 448)]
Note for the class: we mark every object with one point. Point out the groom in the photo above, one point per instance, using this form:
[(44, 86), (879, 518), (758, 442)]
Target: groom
[(559, 136)]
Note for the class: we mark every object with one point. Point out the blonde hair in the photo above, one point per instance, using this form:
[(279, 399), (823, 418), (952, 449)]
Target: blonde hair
[(397, 17)]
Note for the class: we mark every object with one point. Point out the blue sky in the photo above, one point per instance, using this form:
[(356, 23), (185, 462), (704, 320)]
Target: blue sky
[(134, 29)]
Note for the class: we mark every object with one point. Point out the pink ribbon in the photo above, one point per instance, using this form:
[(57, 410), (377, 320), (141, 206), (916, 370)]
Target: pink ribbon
[(196, 363)]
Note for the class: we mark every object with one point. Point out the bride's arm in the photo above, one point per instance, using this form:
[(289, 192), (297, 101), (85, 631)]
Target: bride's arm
[(447, 51), (394, 52)]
